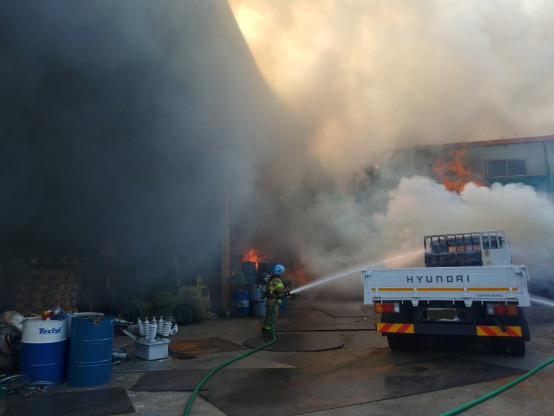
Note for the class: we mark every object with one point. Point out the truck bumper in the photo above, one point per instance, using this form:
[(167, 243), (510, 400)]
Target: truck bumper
[(441, 329)]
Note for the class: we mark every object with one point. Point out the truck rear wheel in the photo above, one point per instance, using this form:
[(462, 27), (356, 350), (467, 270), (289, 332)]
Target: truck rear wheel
[(403, 342), (197, 314), (499, 346), (183, 314), (517, 347)]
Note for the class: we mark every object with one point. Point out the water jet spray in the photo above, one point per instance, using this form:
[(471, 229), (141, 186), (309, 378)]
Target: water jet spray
[(349, 272), (542, 301)]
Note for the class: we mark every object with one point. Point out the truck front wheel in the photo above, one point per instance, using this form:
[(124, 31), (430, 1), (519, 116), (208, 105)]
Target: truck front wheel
[(403, 342)]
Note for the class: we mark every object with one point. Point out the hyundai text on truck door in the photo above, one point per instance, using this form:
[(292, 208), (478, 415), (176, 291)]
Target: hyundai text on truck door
[(468, 288)]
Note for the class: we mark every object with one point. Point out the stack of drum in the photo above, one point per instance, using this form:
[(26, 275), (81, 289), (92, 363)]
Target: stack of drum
[(78, 348)]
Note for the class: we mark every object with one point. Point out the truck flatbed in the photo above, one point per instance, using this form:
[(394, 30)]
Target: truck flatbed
[(468, 284)]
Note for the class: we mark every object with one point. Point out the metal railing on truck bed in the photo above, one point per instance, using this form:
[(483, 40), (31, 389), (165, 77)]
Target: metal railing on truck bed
[(467, 249)]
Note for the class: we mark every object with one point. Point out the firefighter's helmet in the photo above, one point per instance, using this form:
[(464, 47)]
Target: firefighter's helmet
[(278, 269)]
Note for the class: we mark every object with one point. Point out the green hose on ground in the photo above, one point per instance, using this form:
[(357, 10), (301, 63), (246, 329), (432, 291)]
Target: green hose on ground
[(497, 391), (226, 363)]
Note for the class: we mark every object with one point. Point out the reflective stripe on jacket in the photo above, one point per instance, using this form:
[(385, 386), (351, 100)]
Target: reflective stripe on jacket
[(275, 288)]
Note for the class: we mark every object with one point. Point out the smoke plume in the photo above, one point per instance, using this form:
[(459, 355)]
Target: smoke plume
[(133, 124), (377, 75), (369, 77)]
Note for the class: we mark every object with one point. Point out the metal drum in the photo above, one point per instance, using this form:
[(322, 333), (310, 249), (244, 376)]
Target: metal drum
[(44, 350), (76, 315), (258, 308), (90, 350), (256, 300), (249, 270), (264, 270), (256, 292), (242, 302)]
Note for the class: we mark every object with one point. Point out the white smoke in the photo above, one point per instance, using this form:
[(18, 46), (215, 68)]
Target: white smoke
[(420, 206)]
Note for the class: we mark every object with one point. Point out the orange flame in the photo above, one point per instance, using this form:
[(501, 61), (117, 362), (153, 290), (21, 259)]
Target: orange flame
[(455, 175), (253, 255)]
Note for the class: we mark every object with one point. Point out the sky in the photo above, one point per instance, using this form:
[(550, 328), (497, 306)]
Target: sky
[(128, 125)]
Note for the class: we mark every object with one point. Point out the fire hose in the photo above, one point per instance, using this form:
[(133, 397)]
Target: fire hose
[(226, 363), (497, 391)]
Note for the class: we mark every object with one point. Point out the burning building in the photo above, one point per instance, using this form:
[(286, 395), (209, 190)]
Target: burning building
[(526, 160)]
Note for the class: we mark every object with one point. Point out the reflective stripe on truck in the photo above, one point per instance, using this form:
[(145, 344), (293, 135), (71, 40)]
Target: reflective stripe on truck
[(445, 289), (481, 330), (496, 331), (396, 328)]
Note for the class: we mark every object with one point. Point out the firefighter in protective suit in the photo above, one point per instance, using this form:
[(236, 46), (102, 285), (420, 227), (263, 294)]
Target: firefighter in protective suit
[(275, 291)]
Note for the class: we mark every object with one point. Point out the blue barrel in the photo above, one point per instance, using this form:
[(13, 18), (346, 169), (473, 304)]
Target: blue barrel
[(242, 302), (90, 350), (249, 270), (44, 350), (258, 308)]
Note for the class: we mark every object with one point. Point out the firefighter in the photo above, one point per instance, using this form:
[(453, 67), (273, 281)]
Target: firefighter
[(275, 291)]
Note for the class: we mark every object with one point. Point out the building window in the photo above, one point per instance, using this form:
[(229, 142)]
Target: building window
[(516, 167), (511, 167)]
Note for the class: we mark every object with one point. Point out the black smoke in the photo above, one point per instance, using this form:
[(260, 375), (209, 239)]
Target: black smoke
[(126, 126)]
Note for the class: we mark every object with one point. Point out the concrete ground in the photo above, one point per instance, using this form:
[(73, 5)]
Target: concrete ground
[(362, 349)]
